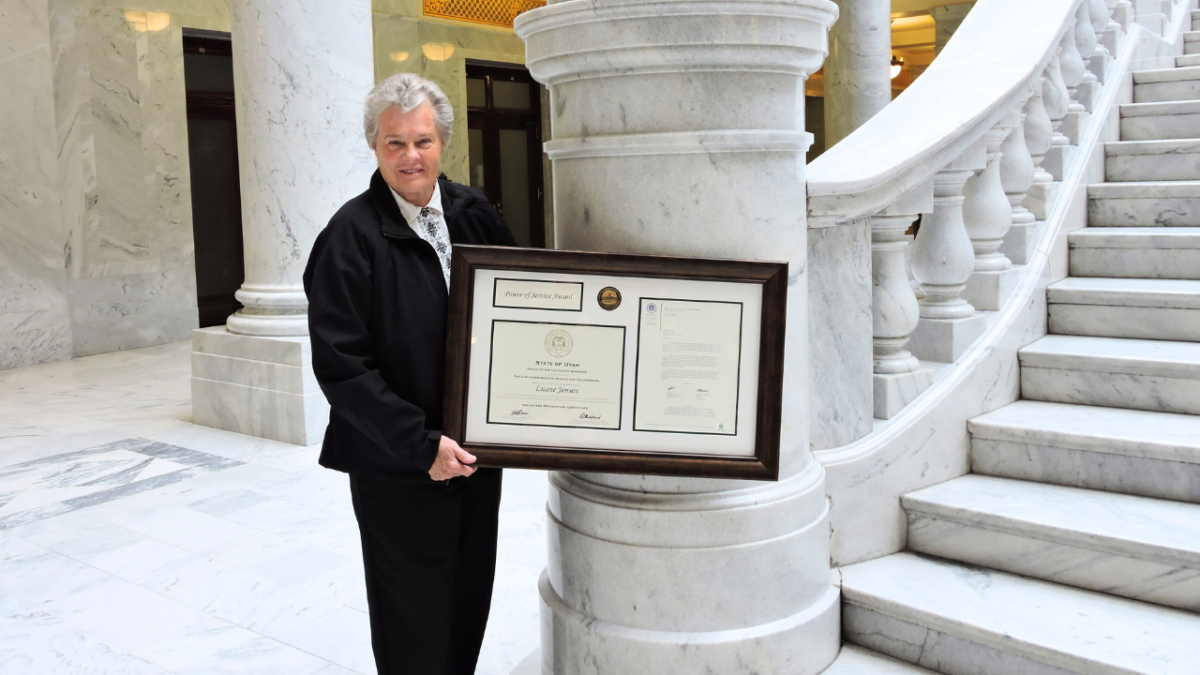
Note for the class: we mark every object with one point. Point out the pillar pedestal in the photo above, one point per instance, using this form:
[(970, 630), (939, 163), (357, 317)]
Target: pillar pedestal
[(254, 375), (259, 386), (653, 574)]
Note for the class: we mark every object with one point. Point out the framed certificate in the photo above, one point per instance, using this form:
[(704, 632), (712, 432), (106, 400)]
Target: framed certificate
[(616, 363)]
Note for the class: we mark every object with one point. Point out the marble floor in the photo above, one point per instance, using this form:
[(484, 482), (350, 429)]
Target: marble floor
[(132, 541)]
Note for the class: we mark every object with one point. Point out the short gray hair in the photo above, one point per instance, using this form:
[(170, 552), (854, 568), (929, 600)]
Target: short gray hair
[(406, 91)]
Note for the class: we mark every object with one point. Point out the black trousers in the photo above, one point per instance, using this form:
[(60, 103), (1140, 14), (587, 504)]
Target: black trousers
[(430, 555)]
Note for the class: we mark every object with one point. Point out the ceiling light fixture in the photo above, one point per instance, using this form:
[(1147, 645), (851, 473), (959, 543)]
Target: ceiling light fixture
[(897, 65)]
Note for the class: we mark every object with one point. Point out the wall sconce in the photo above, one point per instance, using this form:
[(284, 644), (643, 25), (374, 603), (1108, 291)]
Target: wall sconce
[(437, 51), (897, 65), (398, 57), (148, 21)]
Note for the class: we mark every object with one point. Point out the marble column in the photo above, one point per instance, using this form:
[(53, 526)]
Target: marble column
[(858, 80), (666, 141), (301, 72), (946, 20)]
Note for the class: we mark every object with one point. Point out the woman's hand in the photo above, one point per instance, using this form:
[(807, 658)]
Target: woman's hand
[(451, 461)]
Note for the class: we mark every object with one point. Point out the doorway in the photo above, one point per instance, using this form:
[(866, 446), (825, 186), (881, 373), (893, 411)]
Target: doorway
[(504, 129), (213, 158)]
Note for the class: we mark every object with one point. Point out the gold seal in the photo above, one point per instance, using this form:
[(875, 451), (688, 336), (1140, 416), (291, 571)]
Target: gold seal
[(559, 343), (609, 298)]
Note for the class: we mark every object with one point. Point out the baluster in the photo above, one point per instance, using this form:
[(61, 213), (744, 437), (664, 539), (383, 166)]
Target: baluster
[(1085, 40), (943, 262), (988, 216), (1108, 31), (898, 377), (1020, 173), (1072, 68), (1055, 99), (1123, 14), (1039, 131), (1106, 37)]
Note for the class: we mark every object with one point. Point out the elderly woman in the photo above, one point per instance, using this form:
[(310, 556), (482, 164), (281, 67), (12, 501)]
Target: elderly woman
[(377, 284)]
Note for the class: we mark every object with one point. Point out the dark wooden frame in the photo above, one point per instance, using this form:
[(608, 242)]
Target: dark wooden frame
[(771, 275)]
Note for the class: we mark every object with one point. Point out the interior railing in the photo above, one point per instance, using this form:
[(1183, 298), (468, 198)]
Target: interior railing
[(979, 145)]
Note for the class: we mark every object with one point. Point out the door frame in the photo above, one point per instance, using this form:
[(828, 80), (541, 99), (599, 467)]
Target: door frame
[(491, 120)]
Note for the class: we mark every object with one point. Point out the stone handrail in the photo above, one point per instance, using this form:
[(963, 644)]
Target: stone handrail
[(976, 147), (993, 62)]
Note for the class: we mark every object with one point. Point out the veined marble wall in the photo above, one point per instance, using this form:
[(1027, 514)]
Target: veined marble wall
[(34, 321), (122, 130), (96, 250), (408, 42)]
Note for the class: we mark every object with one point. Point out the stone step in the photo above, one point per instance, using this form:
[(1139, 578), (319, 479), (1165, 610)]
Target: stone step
[(1191, 40), (1160, 121), (1135, 252), (1151, 309), (1132, 161), (1153, 203), (1134, 452), (854, 660), (1166, 84), (1187, 61), (962, 620), (1135, 547), (1154, 375)]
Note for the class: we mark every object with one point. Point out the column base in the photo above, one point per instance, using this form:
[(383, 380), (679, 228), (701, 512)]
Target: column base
[(944, 340), (575, 644), (893, 391), (1021, 240), (1057, 158), (1038, 200), (990, 290), (259, 386)]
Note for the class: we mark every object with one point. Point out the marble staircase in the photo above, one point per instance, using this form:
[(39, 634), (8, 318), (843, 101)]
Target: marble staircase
[(1074, 546)]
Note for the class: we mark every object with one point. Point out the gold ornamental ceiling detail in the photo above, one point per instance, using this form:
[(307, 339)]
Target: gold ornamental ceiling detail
[(490, 12)]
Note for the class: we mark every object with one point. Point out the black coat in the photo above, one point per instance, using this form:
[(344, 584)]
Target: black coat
[(377, 320)]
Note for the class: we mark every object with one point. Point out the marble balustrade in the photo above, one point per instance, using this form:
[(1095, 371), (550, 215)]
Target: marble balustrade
[(973, 198), (994, 180)]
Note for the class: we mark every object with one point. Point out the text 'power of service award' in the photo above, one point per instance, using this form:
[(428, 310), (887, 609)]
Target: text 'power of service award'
[(689, 354), (556, 375)]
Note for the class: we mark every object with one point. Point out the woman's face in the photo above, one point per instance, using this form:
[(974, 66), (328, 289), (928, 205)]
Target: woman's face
[(409, 150)]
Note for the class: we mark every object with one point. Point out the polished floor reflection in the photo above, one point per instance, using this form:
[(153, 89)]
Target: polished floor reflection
[(132, 541)]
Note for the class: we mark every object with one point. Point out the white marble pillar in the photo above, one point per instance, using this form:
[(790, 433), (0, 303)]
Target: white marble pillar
[(301, 72), (988, 216), (675, 575), (946, 20), (858, 80), (943, 262)]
